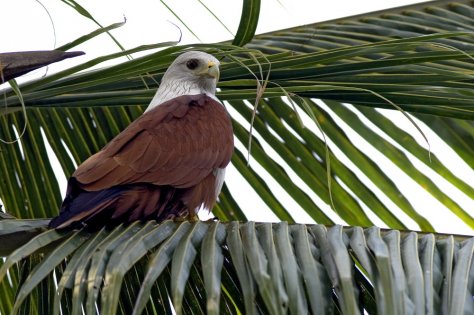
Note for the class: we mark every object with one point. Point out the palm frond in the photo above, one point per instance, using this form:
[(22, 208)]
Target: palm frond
[(275, 267)]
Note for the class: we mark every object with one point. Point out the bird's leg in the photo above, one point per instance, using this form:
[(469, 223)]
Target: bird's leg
[(192, 216), (180, 218)]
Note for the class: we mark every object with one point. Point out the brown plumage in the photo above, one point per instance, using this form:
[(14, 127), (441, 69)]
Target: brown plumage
[(166, 164)]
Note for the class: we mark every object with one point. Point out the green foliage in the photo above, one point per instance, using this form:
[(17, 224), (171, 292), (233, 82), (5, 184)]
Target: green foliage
[(248, 22), (81, 102), (237, 268)]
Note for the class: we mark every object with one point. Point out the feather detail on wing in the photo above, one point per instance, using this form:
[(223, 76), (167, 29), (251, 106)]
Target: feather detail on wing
[(178, 143)]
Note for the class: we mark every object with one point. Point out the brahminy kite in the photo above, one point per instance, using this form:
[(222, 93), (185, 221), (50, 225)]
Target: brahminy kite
[(168, 163)]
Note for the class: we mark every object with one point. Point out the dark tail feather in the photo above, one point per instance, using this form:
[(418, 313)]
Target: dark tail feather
[(118, 204), (78, 211)]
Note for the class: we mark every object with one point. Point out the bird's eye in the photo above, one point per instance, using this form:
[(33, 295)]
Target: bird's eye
[(192, 64)]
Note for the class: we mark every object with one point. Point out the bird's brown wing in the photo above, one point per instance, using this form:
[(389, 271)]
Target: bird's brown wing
[(178, 143)]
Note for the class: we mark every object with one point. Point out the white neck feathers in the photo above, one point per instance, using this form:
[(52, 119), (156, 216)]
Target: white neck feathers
[(174, 88)]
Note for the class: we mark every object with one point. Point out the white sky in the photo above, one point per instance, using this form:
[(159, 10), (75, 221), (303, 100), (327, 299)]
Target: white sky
[(27, 26)]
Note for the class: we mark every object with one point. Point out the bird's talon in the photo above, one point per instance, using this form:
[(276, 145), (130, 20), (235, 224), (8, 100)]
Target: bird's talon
[(179, 219), (192, 217)]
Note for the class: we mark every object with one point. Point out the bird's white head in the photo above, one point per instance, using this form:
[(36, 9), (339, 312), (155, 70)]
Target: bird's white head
[(193, 72)]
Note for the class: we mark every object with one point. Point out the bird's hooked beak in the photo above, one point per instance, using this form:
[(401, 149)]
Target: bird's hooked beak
[(212, 70)]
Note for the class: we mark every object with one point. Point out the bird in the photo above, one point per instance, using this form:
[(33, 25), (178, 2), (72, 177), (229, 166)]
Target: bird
[(167, 164)]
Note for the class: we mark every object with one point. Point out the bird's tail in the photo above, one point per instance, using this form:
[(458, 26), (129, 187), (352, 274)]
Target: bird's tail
[(119, 204)]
